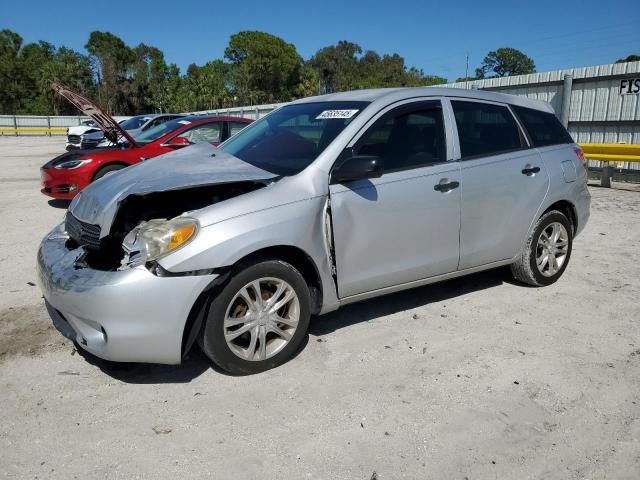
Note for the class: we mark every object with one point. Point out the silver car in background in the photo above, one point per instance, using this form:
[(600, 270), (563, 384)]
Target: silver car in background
[(327, 201), (134, 127)]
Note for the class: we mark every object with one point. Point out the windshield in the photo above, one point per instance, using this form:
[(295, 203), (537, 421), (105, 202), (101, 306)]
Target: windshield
[(134, 122), (291, 138), (160, 130)]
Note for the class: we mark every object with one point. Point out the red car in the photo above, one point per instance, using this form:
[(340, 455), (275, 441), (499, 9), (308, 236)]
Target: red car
[(67, 174)]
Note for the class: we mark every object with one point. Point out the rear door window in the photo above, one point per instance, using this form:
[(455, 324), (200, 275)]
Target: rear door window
[(485, 129), (209, 132), (544, 128), (235, 127)]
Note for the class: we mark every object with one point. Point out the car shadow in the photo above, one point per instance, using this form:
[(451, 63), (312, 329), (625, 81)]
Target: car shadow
[(196, 363), (59, 203), (405, 300)]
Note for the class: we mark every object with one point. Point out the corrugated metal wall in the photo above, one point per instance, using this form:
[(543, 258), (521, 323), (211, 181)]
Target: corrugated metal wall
[(598, 112), (254, 112)]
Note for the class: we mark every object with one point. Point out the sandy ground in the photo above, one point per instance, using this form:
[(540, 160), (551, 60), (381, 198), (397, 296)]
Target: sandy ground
[(476, 378)]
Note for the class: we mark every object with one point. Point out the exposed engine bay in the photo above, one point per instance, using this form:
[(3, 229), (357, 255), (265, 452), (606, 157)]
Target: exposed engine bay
[(108, 253)]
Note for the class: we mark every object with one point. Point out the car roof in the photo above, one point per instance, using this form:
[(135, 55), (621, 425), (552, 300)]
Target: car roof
[(391, 95), (201, 118), (151, 116)]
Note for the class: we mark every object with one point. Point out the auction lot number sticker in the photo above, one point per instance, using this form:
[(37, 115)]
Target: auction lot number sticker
[(328, 114)]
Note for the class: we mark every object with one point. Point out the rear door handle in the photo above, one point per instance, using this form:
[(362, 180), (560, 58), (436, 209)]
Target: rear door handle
[(445, 186), (530, 171)]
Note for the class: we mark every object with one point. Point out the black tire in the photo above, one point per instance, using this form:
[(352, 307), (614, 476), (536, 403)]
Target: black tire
[(212, 340), (525, 269), (114, 167)]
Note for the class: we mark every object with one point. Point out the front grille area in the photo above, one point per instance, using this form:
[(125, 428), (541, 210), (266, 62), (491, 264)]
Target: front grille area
[(65, 188), (83, 233), (73, 138)]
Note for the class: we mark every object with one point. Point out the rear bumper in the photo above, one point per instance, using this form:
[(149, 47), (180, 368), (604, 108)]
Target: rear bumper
[(583, 209), (126, 316)]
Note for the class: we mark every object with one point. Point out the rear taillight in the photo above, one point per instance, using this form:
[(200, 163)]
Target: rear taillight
[(579, 154)]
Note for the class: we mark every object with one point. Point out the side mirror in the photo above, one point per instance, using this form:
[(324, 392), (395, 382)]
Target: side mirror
[(356, 168), (177, 142)]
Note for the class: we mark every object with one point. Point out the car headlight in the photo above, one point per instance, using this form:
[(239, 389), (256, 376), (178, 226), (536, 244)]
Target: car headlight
[(156, 238), (72, 164)]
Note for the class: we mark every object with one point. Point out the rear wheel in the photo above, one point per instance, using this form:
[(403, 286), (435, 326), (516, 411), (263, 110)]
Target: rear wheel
[(547, 252), (106, 170), (258, 320)]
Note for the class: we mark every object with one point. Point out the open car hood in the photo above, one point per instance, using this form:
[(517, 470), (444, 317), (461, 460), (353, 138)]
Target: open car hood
[(199, 165), (112, 130)]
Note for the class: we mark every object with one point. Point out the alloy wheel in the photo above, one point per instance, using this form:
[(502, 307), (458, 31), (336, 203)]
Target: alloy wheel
[(261, 319), (552, 249)]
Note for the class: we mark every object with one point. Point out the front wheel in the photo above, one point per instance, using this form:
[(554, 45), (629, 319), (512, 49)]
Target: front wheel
[(107, 169), (258, 320), (547, 252)]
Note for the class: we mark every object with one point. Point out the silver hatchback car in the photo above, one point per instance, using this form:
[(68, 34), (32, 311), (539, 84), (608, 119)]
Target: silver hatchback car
[(324, 202)]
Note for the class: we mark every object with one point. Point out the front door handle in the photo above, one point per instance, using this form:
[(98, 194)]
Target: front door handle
[(445, 186), (530, 171)]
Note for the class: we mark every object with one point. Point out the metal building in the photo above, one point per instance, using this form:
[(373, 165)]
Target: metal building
[(601, 103)]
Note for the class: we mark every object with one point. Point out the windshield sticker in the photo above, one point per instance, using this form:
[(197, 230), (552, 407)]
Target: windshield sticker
[(184, 122), (328, 114)]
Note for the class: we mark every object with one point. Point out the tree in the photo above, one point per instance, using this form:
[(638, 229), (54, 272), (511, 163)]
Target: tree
[(27, 72), (69, 68), (202, 88), (11, 70), (148, 88), (257, 68), (111, 60), (630, 58), (465, 79), (309, 83), (337, 66), (264, 67), (505, 62), (344, 67)]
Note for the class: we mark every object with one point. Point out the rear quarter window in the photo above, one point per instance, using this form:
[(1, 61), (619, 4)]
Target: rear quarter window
[(543, 128)]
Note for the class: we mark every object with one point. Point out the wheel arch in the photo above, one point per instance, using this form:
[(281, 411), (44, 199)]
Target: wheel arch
[(121, 163), (293, 255), (569, 210)]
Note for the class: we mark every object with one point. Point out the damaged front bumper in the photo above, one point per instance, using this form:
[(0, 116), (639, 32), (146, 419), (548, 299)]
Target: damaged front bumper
[(127, 316)]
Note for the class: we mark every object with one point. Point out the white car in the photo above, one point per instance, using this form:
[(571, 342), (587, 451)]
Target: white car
[(77, 134), (74, 134), (134, 126)]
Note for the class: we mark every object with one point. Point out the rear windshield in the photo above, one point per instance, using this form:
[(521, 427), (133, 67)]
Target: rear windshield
[(543, 127), (160, 130), (288, 140)]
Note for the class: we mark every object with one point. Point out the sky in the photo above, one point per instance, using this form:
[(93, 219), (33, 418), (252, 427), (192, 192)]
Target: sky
[(434, 36)]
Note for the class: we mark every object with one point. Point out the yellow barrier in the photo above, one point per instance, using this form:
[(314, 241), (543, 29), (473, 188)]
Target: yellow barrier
[(612, 152), (33, 130), (18, 131)]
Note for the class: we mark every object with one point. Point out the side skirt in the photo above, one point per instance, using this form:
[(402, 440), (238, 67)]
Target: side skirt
[(420, 283)]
